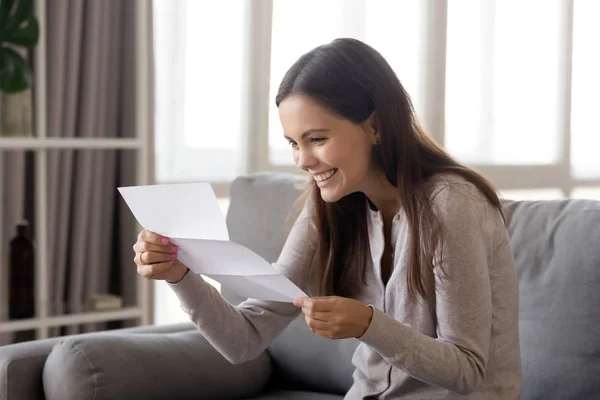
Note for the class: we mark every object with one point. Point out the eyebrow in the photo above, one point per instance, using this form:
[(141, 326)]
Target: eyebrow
[(308, 132)]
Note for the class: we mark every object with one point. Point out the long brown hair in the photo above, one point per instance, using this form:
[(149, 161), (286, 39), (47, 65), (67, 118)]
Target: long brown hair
[(354, 81)]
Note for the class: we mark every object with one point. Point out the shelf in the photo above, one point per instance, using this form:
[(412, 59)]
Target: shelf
[(42, 145), (69, 143), (71, 319)]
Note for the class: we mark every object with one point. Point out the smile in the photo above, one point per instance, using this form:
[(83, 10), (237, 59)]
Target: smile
[(325, 175)]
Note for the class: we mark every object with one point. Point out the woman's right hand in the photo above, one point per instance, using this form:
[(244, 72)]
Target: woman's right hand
[(156, 258)]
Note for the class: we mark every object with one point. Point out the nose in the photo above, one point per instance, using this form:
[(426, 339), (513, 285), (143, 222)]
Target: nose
[(305, 159)]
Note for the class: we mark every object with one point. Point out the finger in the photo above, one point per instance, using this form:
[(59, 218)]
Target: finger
[(155, 238), (150, 257), (325, 316), (306, 303), (153, 258), (154, 270), (141, 246), (314, 324), (318, 304), (319, 315)]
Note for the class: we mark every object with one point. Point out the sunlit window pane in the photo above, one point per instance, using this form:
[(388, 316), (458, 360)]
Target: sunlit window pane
[(394, 28), (585, 125), (199, 68), (502, 81), (592, 193), (213, 74)]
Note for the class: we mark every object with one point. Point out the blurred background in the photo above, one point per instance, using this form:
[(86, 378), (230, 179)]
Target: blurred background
[(132, 92)]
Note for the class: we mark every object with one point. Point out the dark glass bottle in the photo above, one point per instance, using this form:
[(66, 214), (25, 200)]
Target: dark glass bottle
[(21, 274)]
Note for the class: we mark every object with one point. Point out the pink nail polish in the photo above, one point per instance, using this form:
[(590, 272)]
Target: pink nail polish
[(174, 249), (165, 241), (296, 302)]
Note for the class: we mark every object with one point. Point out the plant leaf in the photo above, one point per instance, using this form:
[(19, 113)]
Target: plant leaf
[(15, 76), (5, 9), (27, 35), (21, 80), (23, 11), (7, 68)]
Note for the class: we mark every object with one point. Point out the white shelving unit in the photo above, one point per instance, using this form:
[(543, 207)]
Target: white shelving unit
[(41, 144)]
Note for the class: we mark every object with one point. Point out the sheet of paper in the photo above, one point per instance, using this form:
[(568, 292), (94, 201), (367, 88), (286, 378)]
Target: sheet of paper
[(223, 258), (190, 216), (272, 287), (182, 210)]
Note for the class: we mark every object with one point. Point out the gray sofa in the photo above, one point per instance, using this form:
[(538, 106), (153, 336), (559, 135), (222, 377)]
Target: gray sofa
[(557, 250)]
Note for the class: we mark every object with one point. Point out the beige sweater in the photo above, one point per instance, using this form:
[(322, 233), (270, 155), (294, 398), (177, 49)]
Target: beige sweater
[(466, 348)]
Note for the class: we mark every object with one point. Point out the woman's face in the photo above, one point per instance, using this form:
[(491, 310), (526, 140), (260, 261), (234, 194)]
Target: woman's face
[(335, 151)]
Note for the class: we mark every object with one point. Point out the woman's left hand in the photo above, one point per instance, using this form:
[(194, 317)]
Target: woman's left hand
[(335, 317)]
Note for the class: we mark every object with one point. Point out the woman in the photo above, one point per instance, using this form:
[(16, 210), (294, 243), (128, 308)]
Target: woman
[(398, 244)]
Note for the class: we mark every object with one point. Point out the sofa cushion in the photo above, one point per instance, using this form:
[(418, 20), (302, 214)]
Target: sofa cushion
[(148, 366), (258, 218), (557, 252)]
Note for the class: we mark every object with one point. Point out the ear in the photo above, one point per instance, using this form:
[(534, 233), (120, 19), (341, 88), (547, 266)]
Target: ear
[(371, 126)]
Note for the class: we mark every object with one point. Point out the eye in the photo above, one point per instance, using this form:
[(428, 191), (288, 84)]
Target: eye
[(292, 143), (317, 140)]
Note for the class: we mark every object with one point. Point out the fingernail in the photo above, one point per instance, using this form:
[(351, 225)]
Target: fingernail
[(165, 241), (174, 248), (296, 303), (171, 262)]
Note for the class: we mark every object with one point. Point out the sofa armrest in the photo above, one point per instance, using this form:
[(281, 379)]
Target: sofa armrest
[(21, 364), (21, 368), (179, 365)]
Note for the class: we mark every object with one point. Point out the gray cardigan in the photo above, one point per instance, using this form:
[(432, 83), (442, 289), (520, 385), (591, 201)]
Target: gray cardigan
[(466, 347)]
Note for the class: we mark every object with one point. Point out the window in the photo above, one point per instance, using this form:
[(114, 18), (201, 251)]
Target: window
[(585, 125), (502, 96), (198, 89), (520, 84)]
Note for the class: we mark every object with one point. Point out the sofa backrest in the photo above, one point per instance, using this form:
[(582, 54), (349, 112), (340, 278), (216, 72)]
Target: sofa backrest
[(556, 245), (557, 252)]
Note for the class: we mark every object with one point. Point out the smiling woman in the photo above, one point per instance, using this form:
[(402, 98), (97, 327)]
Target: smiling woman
[(398, 245)]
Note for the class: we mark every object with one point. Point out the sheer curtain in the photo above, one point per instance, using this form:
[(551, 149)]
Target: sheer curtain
[(90, 94)]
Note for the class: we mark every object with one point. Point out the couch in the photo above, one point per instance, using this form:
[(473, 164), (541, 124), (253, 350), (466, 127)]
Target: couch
[(557, 251)]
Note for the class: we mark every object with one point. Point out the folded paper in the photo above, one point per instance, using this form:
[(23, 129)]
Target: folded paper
[(189, 215)]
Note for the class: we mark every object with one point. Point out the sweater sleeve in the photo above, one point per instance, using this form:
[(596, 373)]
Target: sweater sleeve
[(456, 359), (241, 333)]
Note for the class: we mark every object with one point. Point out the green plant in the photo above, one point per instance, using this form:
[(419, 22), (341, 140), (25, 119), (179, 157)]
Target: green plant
[(18, 29)]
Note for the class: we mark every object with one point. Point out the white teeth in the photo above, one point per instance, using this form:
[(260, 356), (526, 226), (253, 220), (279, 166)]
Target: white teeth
[(324, 176)]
